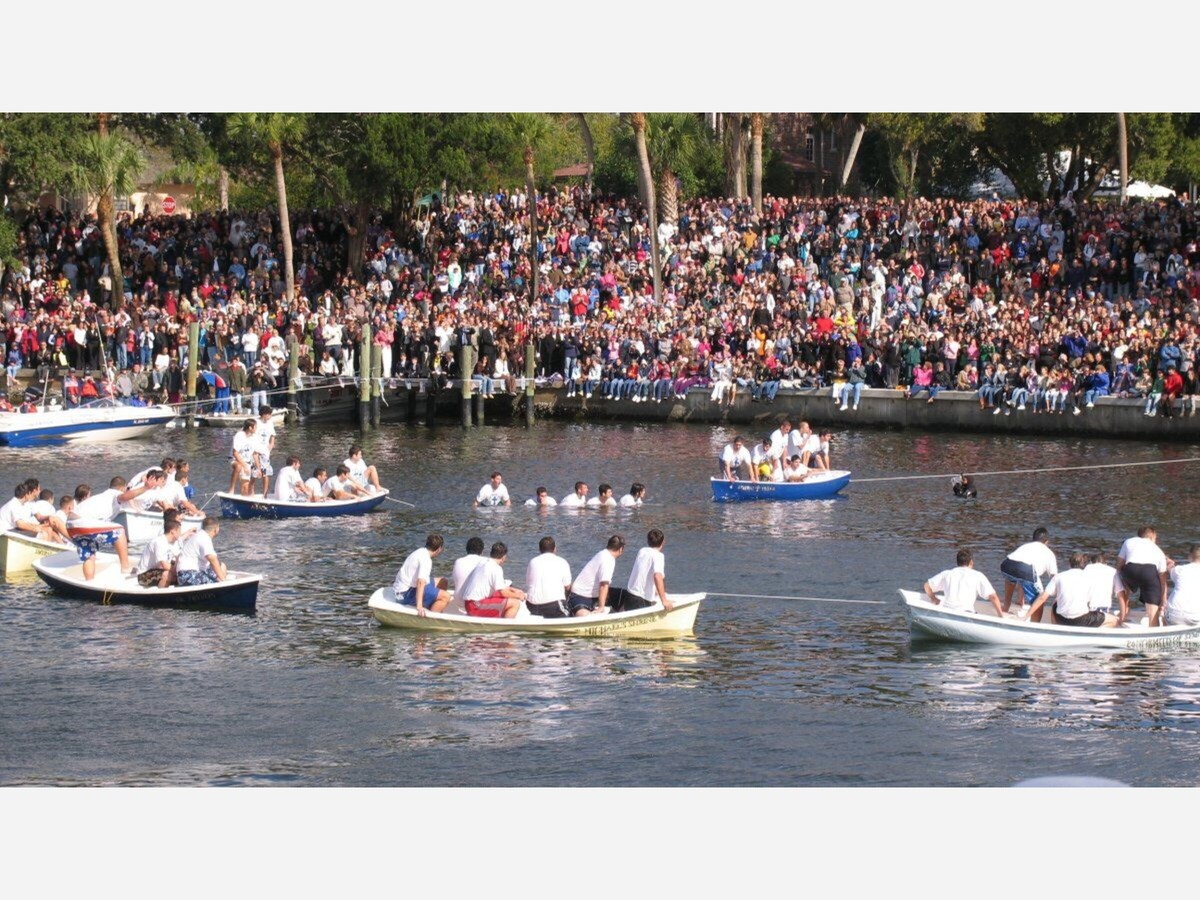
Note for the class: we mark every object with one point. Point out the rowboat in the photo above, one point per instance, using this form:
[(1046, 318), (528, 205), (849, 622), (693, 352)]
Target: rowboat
[(255, 506), (928, 621), (143, 526), (237, 420), (64, 574), (651, 622), (18, 550), (103, 421), (817, 486)]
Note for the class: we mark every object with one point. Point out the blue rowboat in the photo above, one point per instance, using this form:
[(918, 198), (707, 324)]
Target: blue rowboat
[(818, 486), (255, 506), (64, 574)]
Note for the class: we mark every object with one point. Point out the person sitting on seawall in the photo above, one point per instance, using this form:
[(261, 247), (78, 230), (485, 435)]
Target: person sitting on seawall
[(1071, 592), (1027, 566), (961, 586), (486, 594), (1143, 567), (542, 498), (1096, 385), (637, 493), (590, 590), (647, 582), (604, 497), (198, 562), (494, 493), (733, 458), (578, 498), (1183, 606), (414, 584), (922, 381), (1106, 585)]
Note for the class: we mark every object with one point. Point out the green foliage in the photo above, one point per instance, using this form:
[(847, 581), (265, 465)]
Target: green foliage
[(8, 240), (35, 152), (108, 164)]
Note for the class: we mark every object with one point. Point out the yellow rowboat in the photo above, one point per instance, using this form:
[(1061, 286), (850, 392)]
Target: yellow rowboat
[(18, 550)]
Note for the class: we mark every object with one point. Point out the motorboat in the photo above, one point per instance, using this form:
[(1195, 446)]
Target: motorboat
[(97, 422)]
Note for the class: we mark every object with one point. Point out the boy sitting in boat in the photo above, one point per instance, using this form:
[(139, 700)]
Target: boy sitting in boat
[(961, 586), (1071, 591), (363, 475), (342, 487), (156, 568), (290, 484), (486, 593), (16, 515), (198, 562), (414, 584)]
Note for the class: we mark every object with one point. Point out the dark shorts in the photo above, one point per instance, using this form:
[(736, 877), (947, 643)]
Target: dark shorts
[(1143, 578), (409, 597), (1091, 619), (576, 603), (552, 610), (1022, 575), (624, 601), (193, 577)]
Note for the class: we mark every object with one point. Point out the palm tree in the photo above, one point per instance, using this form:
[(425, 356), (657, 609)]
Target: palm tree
[(277, 131), (585, 132), (530, 130), (756, 171), (646, 184), (672, 140), (735, 155), (107, 165), (1123, 156)]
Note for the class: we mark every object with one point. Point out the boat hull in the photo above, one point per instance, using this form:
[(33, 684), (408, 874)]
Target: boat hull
[(18, 551), (928, 621), (653, 622), (63, 574), (236, 506), (81, 426), (141, 527), (823, 486)]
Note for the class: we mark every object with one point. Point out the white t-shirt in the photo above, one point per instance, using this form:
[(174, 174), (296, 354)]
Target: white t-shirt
[(103, 505), (1037, 555), (40, 508), (464, 566), (1183, 606), (960, 587), (734, 458), (418, 567), (596, 502), (12, 512), (244, 446), (796, 441), (145, 501), (290, 484), (641, 580), (194, 552), (158, 554), (490, 496), (485, 579), (262, 436), (334, 484), (1143, 551), (547, 578), (815, 445), (1071, 592), (358, 470), (1103, 585), (630, 500), (599, 569), (546, 501), (780, 441), (573, 500)]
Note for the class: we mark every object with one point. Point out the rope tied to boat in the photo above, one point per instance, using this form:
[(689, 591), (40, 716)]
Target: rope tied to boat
[(1123, 465)]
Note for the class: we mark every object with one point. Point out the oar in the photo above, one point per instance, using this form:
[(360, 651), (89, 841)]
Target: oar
[(208, 501), (401, 502)]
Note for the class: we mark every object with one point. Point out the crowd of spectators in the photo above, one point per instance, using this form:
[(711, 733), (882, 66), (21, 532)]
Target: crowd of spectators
[(1036, 306)]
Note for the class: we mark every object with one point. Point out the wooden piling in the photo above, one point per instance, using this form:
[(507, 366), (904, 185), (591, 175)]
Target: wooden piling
[(293, 406), (376, 383), (529, 379), (193, 362), (364, 379), (466, 366)]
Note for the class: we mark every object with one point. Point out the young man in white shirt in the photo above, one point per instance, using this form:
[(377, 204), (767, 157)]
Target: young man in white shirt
[(647, 582), (16, 515), (543, 498), (1071, 592), (317, 484), (342, 487), (637, 493), (290, 484), (547, 581), (603, 498), (156, 567), (364, 475), (1028, 567), (578, 498), (1105, 585), (486, 594), (1143, 567), (465, 565), (733, 457), (961, 586), (198, 562), (589, 591), (244, 458), (265, 436), (1183, 606), (494, 493), (91, 525), (414, 584)]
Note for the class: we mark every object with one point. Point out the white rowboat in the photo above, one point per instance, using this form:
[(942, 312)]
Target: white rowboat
[(144, 525), (651, 622), (18, 550), (929, 621)]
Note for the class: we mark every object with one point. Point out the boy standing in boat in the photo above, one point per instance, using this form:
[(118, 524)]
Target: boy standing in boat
[(1027, 566), (1071, 591)]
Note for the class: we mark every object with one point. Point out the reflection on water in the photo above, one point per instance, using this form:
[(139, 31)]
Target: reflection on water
[(312, 691)]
